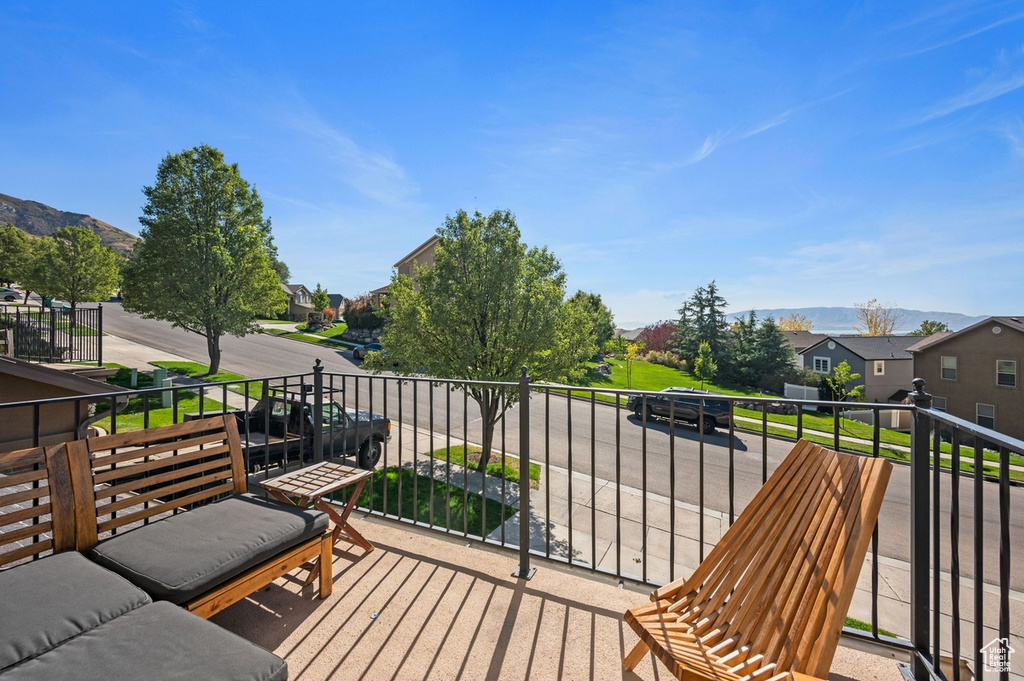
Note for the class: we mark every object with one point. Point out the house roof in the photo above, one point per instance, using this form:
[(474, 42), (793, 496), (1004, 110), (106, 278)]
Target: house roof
[(337, 300), (68, 380), (293, 288), (803, 339), (872, 347), (1015, 323), (419, 249)]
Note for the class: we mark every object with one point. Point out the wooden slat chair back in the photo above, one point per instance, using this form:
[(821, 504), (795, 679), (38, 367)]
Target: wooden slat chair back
[(771, 597), (36, 507), (142, 475)]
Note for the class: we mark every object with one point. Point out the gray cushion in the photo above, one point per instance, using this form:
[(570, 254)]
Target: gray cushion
[(181, 557), (48, 601), (158, 641)]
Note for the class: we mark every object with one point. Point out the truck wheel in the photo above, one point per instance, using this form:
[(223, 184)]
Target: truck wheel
[(369, 454), (709, 425)]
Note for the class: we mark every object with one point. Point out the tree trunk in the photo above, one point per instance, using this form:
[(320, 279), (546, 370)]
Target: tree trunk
[(213, 348), (489, 413)]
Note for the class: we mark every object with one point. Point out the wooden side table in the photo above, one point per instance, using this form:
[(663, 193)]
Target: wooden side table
[(309, 486)]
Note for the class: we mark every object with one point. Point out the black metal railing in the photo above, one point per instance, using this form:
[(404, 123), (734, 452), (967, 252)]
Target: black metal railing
[(619, 492), (48, 334)]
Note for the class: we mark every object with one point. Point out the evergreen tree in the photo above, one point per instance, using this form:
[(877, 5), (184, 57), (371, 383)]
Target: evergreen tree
[(702, 319)]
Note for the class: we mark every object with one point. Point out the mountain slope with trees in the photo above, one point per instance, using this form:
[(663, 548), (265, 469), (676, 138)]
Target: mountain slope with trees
[(39, 219)]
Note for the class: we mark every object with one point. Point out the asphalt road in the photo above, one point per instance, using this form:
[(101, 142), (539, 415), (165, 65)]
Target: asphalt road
[(610, 442)]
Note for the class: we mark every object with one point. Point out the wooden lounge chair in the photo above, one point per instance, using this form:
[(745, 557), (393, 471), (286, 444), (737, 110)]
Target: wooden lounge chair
[(770, 599)]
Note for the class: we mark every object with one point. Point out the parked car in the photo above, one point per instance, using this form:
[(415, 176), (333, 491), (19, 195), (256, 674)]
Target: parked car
[(684, 404), (9, 294), (361, 351)]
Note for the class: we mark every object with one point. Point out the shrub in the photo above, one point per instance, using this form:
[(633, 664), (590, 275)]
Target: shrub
[(668, 359), (363, 313), (657, 337)]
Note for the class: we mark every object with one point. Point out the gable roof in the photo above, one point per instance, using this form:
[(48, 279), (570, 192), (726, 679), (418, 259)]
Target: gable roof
[(292, 289), (1010, 322), (803, 339), (416, 252), (872, 347)]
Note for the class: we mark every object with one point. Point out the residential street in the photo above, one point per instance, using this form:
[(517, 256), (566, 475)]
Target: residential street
[(595, 431)]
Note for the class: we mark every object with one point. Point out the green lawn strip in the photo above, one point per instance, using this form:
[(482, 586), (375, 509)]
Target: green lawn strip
[(274, 321), (309, 338), (448, 501), (494, 469), (133, 416), (333, 331), (864, 626), (899, 455), (200, 371)]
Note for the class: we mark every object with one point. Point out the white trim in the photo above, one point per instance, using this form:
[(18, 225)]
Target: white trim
[(825, 362)]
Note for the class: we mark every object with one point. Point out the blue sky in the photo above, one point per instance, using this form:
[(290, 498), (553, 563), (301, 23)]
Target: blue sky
[(800, 154)]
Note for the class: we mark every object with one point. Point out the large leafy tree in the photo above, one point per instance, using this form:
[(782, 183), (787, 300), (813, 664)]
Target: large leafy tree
[(73, 264), (702, 319), (486, 307), (600, 316), (204, 259), (15, 253)]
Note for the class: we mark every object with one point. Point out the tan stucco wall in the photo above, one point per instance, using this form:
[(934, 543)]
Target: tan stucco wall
[(976, 351)]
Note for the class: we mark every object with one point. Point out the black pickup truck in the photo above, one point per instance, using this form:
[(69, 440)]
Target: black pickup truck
[(284, 422)]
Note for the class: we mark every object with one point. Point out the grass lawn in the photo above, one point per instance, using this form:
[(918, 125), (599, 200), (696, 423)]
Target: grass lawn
[(333, 331), (494, 469), (202, 373), (310, 337), (448, 509)]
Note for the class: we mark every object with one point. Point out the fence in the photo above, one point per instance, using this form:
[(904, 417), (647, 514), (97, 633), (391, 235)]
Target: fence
[(608, 490), (54, 335)]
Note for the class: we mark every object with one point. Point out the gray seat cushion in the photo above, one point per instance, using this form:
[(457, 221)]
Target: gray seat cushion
[(159, 641), (49, 601), (181, 557)]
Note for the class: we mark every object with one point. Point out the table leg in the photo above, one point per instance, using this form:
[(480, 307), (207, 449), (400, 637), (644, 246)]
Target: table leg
[(341, 527)]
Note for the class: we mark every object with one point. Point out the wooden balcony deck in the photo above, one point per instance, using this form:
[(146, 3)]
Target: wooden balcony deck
[(426, 606)]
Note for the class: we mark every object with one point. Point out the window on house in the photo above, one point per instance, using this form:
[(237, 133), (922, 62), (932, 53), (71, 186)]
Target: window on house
[(949, 368), (939, 403), (1006, 372), (986, 415), (880, 367), (822, 365)]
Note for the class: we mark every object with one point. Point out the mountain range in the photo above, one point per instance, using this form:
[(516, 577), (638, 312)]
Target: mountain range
[(843, 320), (39, 219)]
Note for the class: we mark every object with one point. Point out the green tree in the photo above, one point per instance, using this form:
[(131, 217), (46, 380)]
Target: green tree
[(928, 327), (282, 270), (203, 261), (320, 300), (839, 382), (486, 308), (704, 366), (15, 254), (72, 264), (702, 319), (600, 316)]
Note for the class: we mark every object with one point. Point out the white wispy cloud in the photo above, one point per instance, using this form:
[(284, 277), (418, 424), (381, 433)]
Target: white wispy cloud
[(371, 173), (1013, 131), (981, 93), (964, 36)]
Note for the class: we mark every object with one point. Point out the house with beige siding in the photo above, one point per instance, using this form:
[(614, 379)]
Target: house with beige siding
[(422, 255), (974, 373)]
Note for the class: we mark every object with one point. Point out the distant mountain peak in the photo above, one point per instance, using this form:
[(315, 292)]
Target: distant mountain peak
[(839, 320), (38, 219)]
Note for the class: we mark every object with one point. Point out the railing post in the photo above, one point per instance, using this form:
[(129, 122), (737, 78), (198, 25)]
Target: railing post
[(919, 531), (524, 571), (318, 412), (99, 335)]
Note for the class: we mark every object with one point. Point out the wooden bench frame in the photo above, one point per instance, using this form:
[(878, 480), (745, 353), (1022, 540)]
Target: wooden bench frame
[(770, 600), (44, 510), (135, 476)]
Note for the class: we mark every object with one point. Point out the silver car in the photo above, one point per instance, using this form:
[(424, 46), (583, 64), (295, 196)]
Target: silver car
[(9, 294)]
